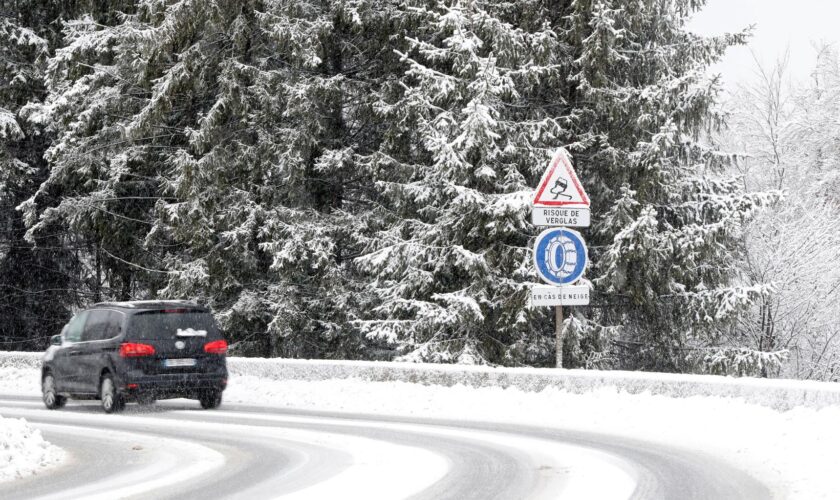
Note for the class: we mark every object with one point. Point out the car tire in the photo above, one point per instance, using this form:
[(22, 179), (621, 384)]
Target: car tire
[(210, 399), (52, 400), (112, 400)]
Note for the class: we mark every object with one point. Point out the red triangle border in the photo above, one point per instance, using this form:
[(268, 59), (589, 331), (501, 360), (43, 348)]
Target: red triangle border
[(569, 170)]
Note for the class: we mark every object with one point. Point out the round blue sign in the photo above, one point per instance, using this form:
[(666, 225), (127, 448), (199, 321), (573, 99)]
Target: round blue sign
[(560, 256)]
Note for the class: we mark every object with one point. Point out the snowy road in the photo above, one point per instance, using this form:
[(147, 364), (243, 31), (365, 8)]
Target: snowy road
[(176, 450)]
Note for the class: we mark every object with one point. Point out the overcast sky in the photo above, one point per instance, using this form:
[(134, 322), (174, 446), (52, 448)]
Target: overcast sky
[(778, 24)]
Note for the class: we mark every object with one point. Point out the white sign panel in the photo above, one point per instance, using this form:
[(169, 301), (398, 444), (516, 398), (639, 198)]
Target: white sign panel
[(559, 185), (560, 216), (574, 295)]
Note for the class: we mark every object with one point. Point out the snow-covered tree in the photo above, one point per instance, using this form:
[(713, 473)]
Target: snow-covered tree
[(665, 248), (36, 283), (490, 90), (206, 150), (787, 138), (353, 178), (471, 121)]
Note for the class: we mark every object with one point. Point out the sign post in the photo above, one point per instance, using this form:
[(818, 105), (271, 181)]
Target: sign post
[(560, 254), (558, 336)]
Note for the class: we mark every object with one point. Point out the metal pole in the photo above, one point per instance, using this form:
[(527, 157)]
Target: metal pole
[(558, 335)]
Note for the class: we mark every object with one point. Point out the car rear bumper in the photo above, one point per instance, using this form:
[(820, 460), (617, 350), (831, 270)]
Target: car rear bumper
[(173, 385)]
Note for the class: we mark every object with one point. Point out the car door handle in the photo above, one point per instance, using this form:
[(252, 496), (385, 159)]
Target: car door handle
[(76, 352)]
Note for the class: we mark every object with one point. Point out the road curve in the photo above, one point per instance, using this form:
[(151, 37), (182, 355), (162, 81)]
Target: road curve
[(176, 450)]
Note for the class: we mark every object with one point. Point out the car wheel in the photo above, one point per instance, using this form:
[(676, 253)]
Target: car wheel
[(210, 399), (112, 401), (51, 399)]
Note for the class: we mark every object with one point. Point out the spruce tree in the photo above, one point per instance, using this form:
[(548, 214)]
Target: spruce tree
[(37, 282), (206, 151), (470, 126), (354, 178), (490, 90), (666, 249)]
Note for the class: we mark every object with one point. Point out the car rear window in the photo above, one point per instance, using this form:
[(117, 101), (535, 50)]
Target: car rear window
[(168, 324)]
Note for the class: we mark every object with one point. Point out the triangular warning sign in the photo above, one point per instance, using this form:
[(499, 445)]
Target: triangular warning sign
[(559, 186)]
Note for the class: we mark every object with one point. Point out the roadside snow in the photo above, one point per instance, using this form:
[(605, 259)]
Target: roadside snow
[(23, 451), (794, 452), (784, 433)]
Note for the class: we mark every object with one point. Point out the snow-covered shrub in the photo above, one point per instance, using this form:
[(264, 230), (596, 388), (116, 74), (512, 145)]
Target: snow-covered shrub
[(739, 362)]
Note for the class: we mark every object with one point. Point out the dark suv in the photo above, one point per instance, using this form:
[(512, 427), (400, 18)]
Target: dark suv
[(136, 351)]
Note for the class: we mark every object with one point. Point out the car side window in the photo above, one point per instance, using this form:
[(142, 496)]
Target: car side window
[(73, 330), (114, 325), (96, 325)]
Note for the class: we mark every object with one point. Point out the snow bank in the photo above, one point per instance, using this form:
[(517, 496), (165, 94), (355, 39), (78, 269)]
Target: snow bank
[(23, 451), (795, 453), (775, 394), (19, 372), (782, 432), (20, 360)]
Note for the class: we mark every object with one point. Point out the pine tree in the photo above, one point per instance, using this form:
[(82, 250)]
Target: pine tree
[(353, 178), (665, 251), (206, 151), (36, 282), (471, 124), (491, 89)]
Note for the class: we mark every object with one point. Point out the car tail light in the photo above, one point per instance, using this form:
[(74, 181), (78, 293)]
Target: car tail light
[(216, 347), (133, 350)]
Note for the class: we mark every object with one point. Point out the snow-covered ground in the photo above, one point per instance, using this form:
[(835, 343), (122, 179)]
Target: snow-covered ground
[(23, 451), (795, 452)]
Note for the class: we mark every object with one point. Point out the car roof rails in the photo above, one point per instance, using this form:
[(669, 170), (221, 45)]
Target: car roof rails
[(149, 304)]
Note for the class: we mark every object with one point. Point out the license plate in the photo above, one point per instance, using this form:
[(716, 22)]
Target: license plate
[(173, 363)]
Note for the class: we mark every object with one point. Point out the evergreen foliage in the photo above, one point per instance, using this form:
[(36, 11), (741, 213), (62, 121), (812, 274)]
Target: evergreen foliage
[(663, 253), (205, 150), (469, 130), (353, 179), (488, 93), (37, 284)]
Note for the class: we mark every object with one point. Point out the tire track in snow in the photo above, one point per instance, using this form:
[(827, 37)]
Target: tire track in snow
[(323, 455)]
